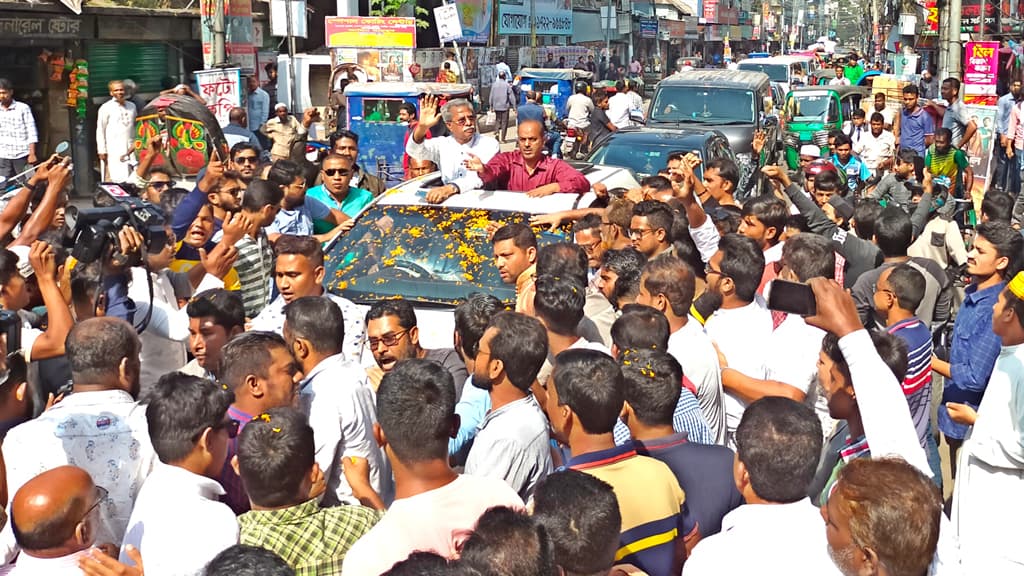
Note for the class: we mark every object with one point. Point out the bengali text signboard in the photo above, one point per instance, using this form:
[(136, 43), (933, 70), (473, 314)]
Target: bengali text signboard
[(370, 32), (981, 68), (551, 17), (221, 90)]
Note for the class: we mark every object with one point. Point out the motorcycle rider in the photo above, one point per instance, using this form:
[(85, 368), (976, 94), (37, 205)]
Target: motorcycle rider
[(579, 107)]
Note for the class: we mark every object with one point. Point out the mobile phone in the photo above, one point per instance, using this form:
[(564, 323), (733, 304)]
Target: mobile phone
[(10, 324), (792, 298)]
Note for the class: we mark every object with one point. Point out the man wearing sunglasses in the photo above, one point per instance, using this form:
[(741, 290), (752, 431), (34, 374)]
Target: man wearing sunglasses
[(448, 152), (55, 519), (245, 159), (179, 524), (336, 191)]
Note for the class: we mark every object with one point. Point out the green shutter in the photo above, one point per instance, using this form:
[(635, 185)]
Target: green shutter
[(143, 62)]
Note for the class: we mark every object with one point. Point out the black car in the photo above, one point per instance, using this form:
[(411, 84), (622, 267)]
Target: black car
[(645, 151), (735, 102)]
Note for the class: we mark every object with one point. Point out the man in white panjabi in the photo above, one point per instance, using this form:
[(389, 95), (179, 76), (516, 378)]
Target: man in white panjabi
[(115, 124), (990, 475)]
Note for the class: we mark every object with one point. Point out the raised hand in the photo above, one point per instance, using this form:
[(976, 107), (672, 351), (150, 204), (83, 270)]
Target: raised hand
[(551, 221), (235, 227), (97, 563), (220, 260), (837, 313), (473, 163), (430, 111)]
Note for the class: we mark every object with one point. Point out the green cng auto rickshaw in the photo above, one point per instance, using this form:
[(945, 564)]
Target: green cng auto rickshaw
[(812, 112)]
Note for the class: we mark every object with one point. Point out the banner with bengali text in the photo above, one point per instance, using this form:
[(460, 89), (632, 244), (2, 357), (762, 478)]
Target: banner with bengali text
[(551, 17), (221, 90), (370, 32)]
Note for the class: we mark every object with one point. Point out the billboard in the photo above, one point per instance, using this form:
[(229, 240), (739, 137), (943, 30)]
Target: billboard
[(981, 69), (551, 17), (475, 16), (369, 32)]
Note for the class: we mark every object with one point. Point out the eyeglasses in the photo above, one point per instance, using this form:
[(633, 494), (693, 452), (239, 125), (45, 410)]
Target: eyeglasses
[(335, 171), (100, 494), (589, 248), (639, 233), (709, 270), (389, 340), (230, 426), (232, 191), (465, 121), (246, 160), (159, 185)]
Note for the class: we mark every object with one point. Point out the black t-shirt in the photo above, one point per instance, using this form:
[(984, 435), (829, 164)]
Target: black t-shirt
[(598, 125)]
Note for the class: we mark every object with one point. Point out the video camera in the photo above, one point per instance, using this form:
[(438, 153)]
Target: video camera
[(96, 229)]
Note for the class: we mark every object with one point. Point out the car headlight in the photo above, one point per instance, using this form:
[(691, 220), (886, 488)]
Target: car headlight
[(821, 137)]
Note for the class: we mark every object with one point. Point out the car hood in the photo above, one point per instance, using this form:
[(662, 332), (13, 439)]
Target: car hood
[(740, 136)]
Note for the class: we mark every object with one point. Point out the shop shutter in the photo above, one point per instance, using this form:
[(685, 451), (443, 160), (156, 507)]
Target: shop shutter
[(143, 62)]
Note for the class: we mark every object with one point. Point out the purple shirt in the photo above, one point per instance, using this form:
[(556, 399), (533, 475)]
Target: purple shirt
[(507, 171), (235, 496)]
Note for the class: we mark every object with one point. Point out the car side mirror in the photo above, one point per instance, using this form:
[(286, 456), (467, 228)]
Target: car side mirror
[(771, 121), (638, 117)]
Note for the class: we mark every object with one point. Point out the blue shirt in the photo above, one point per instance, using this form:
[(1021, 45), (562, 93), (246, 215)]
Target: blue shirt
[(913, 129), (530, 111), (856, 171), (687, 419), (234, 134), (704, 473), (472, 408), (1003, 109), (972, 355), (258, 106), (299, 220)]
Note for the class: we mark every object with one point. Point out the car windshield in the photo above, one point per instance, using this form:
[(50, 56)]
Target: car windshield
[(812, 107), (643, 159), (776, 72), (426, 254), (703, 105)]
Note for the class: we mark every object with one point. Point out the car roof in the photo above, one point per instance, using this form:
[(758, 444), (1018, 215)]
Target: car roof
[(406, 88), (410, 194), (682, 137), (838, 89), (716, 77)]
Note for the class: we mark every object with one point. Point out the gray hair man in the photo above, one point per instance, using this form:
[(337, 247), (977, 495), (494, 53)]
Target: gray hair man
[(448, 152)]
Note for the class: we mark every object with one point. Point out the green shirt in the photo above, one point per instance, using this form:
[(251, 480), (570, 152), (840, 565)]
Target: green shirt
[(355, 201), (311, 539)]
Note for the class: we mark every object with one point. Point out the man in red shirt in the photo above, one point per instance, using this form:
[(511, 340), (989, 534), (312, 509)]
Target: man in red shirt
[(527, 169)]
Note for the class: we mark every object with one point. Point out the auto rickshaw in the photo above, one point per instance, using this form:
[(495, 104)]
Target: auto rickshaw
[(812, 112), (371, 111), (555, 84)]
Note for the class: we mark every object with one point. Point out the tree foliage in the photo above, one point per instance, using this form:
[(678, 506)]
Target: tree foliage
[(400, 8)]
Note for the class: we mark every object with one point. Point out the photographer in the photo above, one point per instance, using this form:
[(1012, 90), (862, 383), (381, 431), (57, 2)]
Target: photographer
[(56, 174), (14, 296)]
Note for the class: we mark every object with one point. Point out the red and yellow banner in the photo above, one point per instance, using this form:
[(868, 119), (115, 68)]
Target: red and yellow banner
[(370, 32)]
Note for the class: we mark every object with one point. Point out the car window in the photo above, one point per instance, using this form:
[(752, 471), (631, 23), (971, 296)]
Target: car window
[(643, 159), (775, 72), (703, 105), (428, 254), (812, 107)]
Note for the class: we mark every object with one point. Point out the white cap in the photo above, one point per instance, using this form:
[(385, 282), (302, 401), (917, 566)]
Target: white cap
[(280, 105), (24, 266), (810, 150)]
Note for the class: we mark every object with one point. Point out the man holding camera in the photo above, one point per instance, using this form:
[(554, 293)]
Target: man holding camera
[(16, 271)]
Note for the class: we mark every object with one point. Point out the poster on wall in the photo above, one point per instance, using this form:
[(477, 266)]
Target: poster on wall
[(475, 16), (551, 17), (392, 63), (370, 32), (239, 48), (221, 90), (981, 69), (979, 149)]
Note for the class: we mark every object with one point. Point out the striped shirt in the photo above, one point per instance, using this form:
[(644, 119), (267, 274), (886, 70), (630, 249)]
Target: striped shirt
[(687, 418), (652, 505), (17, 130), (255, 268), (917, 386)]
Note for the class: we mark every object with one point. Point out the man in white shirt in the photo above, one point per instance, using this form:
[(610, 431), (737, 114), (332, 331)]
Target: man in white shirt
[(619, 105), (791, 360), (778, 531), (881, 108), (448, 152), (55, 516), (742, 326), (558, 302), (579, 106), (100, 427), (115, 127), (877, 147), (668, 285), (298, 272), (416, 417), (338, 401), (178, 524)]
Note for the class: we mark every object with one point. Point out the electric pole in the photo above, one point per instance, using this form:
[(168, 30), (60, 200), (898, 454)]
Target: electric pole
[(952, 33), (219, 54)]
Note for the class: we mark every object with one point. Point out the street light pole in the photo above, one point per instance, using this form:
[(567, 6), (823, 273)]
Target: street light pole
[(219, 54), (533, 29)]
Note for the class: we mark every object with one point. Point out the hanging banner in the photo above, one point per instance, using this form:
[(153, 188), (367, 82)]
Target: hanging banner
[(449, 29), (221, 90), (981, 68), (370, 32), (648, 27), (551, 17), (475, 17), (238, 34)]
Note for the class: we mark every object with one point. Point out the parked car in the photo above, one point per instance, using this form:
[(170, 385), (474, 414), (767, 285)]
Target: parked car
[(435, 255), (736, 102), (779, 68), (645, 151), (810, 113)]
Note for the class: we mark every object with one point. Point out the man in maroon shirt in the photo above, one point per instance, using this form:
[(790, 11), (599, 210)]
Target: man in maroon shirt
[(527, 169)]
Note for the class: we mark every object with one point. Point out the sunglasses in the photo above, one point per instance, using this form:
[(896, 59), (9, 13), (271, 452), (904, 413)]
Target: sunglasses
[(336, 171), (246, 160), (159, 185)]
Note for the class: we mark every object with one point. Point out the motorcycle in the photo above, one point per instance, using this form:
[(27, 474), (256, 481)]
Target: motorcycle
[(573, 141)]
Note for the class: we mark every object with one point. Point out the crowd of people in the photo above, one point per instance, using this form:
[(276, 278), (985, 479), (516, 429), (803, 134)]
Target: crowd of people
[(200, 403)]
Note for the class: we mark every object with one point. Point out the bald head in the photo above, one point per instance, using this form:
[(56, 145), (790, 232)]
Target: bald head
[(531, 139), (237, 116), (46, 511), (96, 349)]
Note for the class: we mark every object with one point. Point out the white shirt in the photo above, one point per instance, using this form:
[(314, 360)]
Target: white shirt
[(693, 349), (885, 112), (580, 106), (793, 360), (767, 540), (115, 124), (340, 405), (618, 109), (873, 149), (448, 155), (742, 334), (32, 566), (271, 319), (105, 433), (179, 524)]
